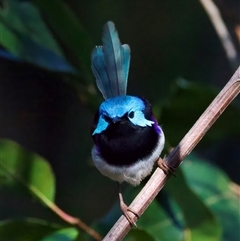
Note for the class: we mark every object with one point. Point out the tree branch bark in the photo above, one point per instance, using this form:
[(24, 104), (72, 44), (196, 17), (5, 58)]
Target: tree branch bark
[(222, 31), (175, 158)]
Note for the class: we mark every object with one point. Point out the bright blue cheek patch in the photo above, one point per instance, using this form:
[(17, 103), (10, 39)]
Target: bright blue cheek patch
[(140, 120), (101, 126)]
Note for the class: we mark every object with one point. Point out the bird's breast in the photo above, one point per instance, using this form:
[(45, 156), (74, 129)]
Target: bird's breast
[(123, 143)]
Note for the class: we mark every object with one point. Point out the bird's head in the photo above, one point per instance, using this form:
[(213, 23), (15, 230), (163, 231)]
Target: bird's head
[(122, 109)]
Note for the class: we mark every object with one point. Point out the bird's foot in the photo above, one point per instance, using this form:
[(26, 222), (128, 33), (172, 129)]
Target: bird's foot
[(125, 209), (168, 170)]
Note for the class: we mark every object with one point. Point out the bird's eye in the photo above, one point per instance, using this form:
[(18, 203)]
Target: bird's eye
[(131, 114), (107, 118)]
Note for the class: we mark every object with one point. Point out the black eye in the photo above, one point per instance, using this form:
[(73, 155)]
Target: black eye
[(131, 114), (107, 118)]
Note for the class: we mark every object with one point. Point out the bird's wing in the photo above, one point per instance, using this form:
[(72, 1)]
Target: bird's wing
[(110, 63)]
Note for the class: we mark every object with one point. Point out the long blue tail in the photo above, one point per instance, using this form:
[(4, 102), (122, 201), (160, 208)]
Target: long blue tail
[(110, 63)]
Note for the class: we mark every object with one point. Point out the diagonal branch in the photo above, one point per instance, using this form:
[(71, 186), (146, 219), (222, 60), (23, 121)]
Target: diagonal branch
[(174, 159), (222, 31)]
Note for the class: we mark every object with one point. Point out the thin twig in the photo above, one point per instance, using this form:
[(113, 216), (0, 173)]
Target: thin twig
[(64, 216), (174, 159), (235, 188), (222, 31)]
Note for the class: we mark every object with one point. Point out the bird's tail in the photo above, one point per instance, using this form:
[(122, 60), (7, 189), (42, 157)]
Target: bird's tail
[(110, 63)]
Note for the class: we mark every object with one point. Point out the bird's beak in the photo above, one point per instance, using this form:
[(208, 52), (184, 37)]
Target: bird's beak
[(116, 119)]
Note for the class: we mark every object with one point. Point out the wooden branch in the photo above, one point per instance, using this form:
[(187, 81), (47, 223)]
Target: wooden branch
[(222, 31), (174, 159)]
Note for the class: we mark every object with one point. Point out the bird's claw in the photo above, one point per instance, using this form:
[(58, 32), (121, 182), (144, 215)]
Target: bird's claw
[(125, 209), (168, 170)]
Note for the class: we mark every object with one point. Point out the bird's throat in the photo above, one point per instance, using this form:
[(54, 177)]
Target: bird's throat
[(123, 144)]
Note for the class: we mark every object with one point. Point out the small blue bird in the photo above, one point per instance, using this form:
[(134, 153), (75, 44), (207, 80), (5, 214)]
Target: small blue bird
[(128, 140)]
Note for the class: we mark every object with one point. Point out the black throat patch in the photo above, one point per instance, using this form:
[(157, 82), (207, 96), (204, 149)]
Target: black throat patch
[(123, 143)]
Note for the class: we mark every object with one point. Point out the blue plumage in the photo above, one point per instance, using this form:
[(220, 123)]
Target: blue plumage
[(127, 137), (117, 107), (110, 63)]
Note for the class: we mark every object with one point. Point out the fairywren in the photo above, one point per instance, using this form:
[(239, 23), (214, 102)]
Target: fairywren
[(128, 140)]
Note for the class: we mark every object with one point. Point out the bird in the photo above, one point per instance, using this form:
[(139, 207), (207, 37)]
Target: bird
[(127, 138)]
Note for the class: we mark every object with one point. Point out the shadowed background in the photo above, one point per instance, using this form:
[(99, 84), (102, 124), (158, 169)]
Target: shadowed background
[(48, 94)]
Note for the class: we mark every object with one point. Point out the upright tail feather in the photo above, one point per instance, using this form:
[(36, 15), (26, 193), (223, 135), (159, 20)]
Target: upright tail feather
[(110, 63)]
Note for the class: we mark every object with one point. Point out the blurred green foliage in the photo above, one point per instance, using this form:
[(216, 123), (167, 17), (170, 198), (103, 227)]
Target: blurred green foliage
[(49, 95), (27, 229), (27, 169), (192, 207)]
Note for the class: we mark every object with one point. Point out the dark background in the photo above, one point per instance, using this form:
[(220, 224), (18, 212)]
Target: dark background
[(44, 111)]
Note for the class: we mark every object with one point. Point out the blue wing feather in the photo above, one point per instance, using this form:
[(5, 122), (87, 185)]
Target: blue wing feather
[(126, 63), (110, 63), (100, 71)]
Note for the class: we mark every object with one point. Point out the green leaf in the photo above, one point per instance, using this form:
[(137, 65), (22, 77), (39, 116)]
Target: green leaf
[(214, 188), (66, 27), (137, 234), (22, 167), (66, 234), (24, 18), (187, 103), (26, 230), (157, 222), (26, 36), (9, 41), (200, 222)]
